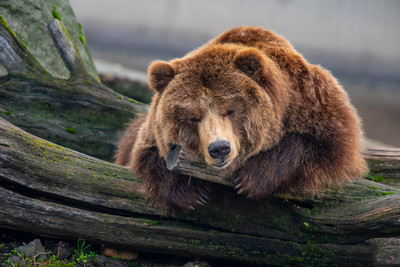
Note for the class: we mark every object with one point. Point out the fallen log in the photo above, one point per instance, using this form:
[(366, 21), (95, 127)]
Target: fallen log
[(54, 191)]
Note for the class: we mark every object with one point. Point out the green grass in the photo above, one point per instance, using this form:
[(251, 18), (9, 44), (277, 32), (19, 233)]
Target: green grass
[(81, 253), (80, 256)]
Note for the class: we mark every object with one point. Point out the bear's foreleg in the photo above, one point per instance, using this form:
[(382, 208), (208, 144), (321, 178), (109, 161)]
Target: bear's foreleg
[(167, 188), (268, 171), (299, 162)]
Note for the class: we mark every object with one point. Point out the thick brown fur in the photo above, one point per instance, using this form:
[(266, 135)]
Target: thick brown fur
[(123, 155), (289, 125)]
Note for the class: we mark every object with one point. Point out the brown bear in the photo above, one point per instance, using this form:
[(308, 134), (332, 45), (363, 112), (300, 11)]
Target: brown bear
[(247, 97)]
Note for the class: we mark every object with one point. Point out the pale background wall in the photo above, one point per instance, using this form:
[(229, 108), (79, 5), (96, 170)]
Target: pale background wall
[(367, 31)]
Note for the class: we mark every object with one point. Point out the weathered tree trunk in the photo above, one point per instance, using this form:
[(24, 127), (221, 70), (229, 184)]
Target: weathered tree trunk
[(79, 112), (54, 191)]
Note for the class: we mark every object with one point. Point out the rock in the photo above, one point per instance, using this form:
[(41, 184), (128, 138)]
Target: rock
[(33, 249), (196, 263), (59, 248), (117, 253), (101, 260)]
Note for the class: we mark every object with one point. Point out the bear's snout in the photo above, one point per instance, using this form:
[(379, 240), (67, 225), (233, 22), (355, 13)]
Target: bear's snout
[(218, 142), (219, 149)]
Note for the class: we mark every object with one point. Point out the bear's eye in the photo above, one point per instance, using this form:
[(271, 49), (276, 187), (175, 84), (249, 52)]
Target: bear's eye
[(194, 120), (230, 112)]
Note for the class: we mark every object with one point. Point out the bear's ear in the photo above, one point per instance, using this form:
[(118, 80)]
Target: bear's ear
[(252, 63), (160, 73)]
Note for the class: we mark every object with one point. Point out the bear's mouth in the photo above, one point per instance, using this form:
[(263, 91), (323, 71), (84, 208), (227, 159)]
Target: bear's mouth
[(221, 164)]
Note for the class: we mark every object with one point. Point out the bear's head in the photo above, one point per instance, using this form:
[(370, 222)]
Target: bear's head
[(220, 101)]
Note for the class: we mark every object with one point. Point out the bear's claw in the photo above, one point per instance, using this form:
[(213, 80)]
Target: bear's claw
[(187, 196), (204, 196), (240, 191)]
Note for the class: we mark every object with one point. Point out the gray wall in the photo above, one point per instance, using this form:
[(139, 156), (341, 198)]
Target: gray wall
[(361, 36)]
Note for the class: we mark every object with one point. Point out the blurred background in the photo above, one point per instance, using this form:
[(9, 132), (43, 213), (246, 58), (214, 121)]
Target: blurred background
[(358, 41)]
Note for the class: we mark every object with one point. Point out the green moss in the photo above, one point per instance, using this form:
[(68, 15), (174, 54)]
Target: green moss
[(6, 112), (3, 21), (146, 222), (312, 255), (133, 101), (153, 223), (95, 77), (24, 45), (71, 130), (377, 179), (56, 15), (82, 39), (387, 193), (114, 175), (120, 97), (5, 24), (372, 187), (313, 211)]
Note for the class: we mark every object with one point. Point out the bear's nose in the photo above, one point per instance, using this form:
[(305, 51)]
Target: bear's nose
[(219, 149)]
